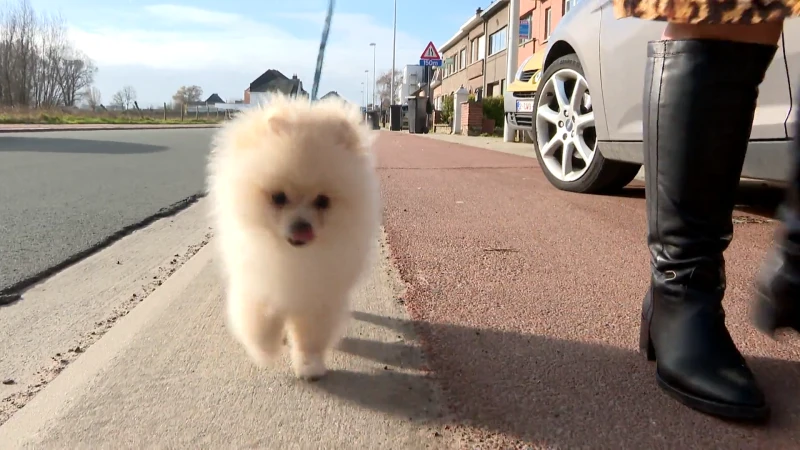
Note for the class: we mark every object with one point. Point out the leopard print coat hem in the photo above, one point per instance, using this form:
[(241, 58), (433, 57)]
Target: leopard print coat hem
[(708, 11)]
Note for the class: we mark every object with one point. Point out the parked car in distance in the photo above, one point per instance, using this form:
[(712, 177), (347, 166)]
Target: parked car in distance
[(518, 98), (588, 109)]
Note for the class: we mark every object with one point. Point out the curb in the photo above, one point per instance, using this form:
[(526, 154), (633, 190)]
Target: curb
[(13, 293), (35, 129)]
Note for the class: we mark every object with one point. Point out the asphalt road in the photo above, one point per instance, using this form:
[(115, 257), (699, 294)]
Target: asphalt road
[(62, 193)]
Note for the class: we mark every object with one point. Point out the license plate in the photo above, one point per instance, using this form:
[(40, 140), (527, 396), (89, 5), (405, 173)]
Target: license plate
[(524, 106)]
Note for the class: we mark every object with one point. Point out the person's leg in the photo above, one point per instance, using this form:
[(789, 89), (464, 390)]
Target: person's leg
[(778, 287), (701, 87)]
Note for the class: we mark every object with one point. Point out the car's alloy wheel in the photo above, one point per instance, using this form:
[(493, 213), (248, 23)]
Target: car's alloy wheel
[(565, 129), (565, 136)]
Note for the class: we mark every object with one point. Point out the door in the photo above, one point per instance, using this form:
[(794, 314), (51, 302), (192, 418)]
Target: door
[(623, 54)]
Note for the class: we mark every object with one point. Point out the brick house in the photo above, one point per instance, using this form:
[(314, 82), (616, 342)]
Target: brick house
[(543, 15), (475, 57)]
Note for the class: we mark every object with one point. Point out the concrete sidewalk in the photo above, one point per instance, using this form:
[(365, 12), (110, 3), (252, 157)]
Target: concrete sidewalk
[(496, 144), (489, 143), (169, 375)]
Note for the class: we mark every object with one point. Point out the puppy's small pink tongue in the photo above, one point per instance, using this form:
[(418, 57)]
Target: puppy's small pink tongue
[(303, 236)]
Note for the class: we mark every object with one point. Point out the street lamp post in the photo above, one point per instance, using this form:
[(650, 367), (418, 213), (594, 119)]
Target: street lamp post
[(374, 74), (394, 50)]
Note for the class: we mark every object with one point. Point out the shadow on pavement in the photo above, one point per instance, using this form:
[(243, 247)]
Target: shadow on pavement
[(575, 393), (64, 145), (395, 354), (754, 197)]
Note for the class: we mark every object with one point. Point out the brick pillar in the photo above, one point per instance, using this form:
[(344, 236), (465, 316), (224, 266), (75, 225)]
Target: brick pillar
[(472, 118)]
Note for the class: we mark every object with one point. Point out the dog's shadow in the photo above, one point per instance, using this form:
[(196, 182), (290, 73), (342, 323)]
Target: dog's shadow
[(552, 391)]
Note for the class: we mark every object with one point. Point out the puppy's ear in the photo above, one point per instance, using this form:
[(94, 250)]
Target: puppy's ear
[(355, 137), (279, 125)]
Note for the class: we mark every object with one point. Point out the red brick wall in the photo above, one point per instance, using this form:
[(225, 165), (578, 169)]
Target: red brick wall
[(247, 96), (471, 118)]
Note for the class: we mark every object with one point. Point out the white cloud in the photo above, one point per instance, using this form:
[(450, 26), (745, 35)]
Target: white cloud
[(181, 13), (223, 52)]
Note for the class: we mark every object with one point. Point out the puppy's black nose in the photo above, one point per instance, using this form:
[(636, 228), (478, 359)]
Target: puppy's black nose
[(300, 226), (300, 232)]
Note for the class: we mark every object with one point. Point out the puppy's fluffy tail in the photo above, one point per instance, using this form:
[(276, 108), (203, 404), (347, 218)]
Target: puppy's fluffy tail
[(259, 328)]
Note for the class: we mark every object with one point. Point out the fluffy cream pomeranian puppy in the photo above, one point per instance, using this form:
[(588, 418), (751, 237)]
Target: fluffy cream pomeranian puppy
[(296, 208)]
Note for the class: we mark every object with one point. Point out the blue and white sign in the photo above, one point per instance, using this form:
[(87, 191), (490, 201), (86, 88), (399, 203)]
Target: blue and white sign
[(525, 30), (430, 62), (430, 56)]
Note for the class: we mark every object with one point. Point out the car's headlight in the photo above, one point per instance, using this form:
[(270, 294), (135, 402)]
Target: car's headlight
[(537, 76), (519, 71)]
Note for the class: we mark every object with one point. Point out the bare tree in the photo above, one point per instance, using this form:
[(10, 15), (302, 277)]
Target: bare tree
[(92, 97), (118, 99), (128, 95), (187, 94), (75, 72), (384, 86), (38, 64)]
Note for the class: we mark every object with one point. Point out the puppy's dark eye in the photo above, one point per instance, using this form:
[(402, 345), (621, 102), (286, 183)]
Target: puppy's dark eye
[(279, 198), (322, 202)]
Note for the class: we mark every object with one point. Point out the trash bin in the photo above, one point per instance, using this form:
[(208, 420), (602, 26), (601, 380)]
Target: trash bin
[(413, 116), (396, 117), (417, 116), (374, 117)]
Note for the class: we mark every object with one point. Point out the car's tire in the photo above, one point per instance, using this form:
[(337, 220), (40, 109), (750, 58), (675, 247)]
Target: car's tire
[(599, 175)]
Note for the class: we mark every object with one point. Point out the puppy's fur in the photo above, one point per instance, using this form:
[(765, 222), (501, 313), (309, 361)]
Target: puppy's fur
[(296, 209)]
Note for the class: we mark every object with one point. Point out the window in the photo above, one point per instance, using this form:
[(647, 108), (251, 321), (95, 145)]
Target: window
[(473, 50), (481, 47), (502, 87), (525, 25), (547, 23), (566, 5), (462, 58), (497, 41)]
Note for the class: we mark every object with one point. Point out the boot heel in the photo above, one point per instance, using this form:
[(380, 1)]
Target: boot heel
[(645, 343)]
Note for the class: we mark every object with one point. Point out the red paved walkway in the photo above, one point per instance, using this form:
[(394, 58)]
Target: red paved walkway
[(528, 301)]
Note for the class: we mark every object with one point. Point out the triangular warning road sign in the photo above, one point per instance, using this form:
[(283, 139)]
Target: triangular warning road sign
[(430, 52)]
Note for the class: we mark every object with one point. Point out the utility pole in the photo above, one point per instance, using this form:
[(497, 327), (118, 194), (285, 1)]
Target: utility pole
[(394, 51), (374, 75), (513, 53)]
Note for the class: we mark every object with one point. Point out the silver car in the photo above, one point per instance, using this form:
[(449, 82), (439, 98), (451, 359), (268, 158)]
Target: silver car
[(594, 67)]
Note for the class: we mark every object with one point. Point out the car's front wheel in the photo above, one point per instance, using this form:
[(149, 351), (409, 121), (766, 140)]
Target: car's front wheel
[(565, 137)]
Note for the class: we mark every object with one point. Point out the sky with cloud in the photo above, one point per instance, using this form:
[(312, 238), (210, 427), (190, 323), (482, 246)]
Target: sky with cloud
[(223, 45)]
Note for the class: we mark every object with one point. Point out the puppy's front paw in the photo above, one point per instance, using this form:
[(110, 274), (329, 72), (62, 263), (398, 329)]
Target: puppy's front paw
[(308, 367)]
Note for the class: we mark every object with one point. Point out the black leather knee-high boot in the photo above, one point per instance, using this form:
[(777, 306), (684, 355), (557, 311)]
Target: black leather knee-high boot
[(699, 102), (778, 286)]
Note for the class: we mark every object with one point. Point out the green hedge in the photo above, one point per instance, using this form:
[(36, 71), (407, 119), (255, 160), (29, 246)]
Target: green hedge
[(493, 108)]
